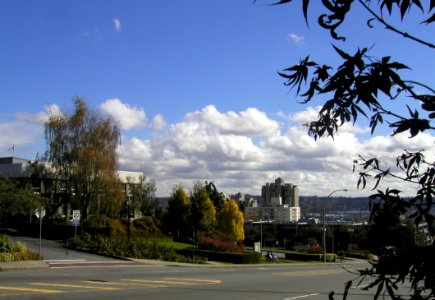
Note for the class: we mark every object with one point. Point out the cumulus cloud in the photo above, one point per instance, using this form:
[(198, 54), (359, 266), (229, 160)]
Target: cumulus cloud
[(128, 117), (297, 39), (250, 122), (18, 133), (158, 122), (239, 151), (25, 131), (117, 25), (40, 117)]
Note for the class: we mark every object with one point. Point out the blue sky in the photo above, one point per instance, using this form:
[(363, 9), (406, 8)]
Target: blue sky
[(193, 85)]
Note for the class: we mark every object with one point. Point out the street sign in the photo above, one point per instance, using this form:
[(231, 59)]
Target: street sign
[(41, 210), (76, 215), (76, 218), (257, 247)]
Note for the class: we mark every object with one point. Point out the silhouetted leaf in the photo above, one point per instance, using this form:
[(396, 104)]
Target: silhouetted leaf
[(404, 7), (305, 4), (343, 54), (388, 4), (282, 2), (322, 72), (429, 20)]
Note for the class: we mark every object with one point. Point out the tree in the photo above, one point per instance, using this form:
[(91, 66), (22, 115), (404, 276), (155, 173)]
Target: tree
[(82, 148), (17, 201), (178, 211), (143, 196), (230, 221), (216, 197), (362, 87), (202, 210)]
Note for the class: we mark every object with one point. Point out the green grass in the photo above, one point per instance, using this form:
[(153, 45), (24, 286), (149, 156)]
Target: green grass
[(175, 245)]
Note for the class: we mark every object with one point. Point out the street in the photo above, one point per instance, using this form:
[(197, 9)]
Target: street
[(105, 278)]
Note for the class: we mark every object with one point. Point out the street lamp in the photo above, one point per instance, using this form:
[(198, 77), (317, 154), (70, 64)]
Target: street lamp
[(128, 219), (261, 227), (261, 234), (324, 220)]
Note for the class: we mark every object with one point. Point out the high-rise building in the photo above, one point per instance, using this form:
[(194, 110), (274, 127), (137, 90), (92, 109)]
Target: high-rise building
[(280, 193), (280, 202)]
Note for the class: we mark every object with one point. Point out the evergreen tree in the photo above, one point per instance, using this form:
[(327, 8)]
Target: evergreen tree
[(203, 212), (178, 211)]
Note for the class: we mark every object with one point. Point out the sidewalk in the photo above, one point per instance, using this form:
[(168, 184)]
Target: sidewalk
[(23, 265), (40, 264)]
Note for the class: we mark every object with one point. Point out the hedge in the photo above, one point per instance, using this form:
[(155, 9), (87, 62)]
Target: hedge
[(330, 257), (359, 255), (235, 258)]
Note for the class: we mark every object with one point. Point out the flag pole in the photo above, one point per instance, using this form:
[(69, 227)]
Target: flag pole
[(13, 150)]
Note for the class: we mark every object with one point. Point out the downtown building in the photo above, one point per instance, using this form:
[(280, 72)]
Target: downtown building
[(280, 203)]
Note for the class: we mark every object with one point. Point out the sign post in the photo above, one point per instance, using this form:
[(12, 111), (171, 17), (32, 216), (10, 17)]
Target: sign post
[(76, 220), (40, 214)]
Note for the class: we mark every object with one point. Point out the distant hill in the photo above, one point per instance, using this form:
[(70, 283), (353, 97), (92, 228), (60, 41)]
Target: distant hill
[(314, 204)]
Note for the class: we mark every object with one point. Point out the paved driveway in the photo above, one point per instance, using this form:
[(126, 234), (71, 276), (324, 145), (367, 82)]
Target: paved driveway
[(54, 250)]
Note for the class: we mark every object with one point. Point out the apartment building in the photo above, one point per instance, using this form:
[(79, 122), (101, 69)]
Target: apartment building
[(280, 203)]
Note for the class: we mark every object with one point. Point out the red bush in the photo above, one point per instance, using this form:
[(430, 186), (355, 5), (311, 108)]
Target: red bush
[(215, 242)]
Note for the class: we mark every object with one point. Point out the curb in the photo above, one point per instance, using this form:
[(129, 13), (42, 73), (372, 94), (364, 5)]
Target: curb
[(40, 264)]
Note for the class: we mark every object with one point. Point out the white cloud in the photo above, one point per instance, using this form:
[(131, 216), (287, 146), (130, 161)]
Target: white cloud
[(40, 117), (26, 132), (239, 151), (117, 25), (250, 122), (128, 117), (158, 122), (92, 34), (297, 39)]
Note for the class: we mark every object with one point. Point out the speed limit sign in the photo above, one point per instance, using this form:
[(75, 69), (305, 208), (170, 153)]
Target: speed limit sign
[(76, 215)]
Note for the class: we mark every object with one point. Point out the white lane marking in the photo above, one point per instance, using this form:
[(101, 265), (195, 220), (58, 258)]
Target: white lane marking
[(63, 260), (303, 296)]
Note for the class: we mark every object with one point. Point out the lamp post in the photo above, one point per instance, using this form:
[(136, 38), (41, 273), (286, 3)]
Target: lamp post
[(324, 220), (261, 234), (261, 227), (128, 219)]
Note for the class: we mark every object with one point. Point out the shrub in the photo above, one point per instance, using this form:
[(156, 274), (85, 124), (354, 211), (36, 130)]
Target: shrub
[(117, 227), (217, 243), (236, 258), (27, 255), (314, 248), (6, 257), (147, 226), (15, 252), (95, 221), (359, 255), (135, 248), (303, 256), (19, 247), (6, 244)]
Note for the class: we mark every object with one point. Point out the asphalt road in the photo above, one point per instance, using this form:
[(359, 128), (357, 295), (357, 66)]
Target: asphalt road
[(110, 279), (52, 251)]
